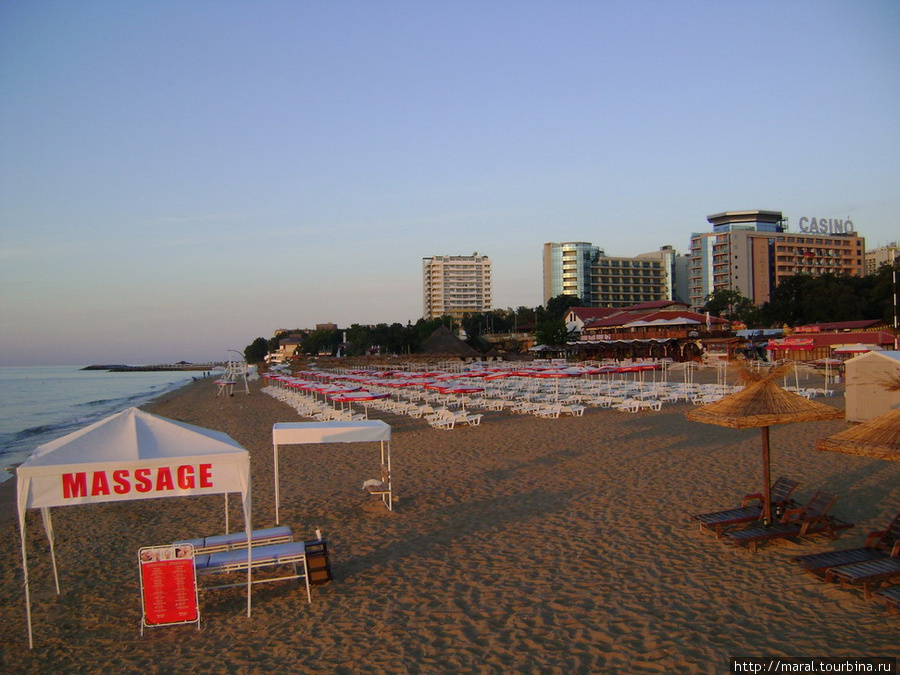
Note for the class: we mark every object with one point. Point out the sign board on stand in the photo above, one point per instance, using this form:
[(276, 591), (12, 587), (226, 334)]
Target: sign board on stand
[(168, 586)]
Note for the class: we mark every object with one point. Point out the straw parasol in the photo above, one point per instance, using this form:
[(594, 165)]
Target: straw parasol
[(761, 404), (878, 438)]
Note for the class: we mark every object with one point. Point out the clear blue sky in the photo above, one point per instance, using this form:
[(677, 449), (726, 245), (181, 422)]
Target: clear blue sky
[(179, 178)]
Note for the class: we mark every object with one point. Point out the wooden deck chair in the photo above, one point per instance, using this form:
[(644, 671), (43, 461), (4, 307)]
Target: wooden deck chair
[(867, 574), (719, 521), (891, 595), (879, 544), (809, 519)]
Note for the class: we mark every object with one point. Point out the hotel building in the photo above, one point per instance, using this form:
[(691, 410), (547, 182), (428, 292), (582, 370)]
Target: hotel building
[(456, 285), (883, 255), (567, 270), (585, 271), (752, 252)]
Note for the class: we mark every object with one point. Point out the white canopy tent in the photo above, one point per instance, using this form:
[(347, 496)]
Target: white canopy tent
[(364, 431), (130, 455)]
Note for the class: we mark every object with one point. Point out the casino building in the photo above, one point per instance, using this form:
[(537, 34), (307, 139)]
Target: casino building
[(752, 251)]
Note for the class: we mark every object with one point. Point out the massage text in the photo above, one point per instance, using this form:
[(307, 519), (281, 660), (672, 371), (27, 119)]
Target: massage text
[(124, 481)]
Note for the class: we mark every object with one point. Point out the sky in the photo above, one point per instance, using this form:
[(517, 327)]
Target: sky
[(180, 178)]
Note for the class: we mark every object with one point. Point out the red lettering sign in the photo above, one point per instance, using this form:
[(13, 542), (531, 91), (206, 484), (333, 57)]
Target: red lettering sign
[(74, 485), (186, 477), (122, 482), (143, 480), (206, 475)]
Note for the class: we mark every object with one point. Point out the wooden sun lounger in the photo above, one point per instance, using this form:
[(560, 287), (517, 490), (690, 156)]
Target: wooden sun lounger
[(719, 521), (810, 519), (238, 540), (292, 554), (892, 597), (867, 574), (879, 544)]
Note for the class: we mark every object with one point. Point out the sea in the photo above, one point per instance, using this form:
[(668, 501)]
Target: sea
[(39, 404)]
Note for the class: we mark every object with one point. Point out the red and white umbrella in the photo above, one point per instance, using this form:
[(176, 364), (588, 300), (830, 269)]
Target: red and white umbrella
[(351, 397)]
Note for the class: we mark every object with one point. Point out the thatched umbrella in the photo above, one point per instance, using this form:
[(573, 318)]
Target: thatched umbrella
[(878, 438), (763, 403)]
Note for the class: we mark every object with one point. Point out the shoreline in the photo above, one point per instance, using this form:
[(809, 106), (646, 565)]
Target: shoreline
[(521, 545)]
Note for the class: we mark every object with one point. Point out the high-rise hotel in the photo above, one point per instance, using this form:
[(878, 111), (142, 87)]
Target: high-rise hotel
[(581, 269), (456, 285), (752, 252)]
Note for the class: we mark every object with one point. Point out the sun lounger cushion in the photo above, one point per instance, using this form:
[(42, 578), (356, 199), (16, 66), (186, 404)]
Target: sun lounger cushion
[(223, 542)]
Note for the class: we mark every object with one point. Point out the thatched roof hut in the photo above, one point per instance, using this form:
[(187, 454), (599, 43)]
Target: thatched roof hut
[(442, 341)]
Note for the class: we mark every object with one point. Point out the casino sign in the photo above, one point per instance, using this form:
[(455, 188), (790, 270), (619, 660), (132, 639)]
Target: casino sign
[(829, 226)]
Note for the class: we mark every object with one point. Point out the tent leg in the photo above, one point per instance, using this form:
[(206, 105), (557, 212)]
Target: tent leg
[(26, 582), (48, 529), (277, 497)]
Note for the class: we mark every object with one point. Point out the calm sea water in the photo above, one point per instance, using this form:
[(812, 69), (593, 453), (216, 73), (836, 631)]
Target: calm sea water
[(39, 404)]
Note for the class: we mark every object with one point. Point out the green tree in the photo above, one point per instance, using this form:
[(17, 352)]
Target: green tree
[(321, 342), (732, 305), (557, 306), (256, 351), (552, 332)]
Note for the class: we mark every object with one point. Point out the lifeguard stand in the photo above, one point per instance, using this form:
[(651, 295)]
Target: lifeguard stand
[(234, 372)]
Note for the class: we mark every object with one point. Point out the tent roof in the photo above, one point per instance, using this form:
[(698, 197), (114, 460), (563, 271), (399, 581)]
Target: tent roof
[(130, 435), (288, 433)]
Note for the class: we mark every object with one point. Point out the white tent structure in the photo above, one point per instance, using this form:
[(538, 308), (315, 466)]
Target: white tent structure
[(364, 431), (130, 455)]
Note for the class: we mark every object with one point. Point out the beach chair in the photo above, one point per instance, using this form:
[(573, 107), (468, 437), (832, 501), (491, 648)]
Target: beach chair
[(719, 521), (238, 540), (440, 420), (810, 519), (549, 411), (292, 555), (866, 574), (891, 596), (381, 488), (473, 420), (879, 544)]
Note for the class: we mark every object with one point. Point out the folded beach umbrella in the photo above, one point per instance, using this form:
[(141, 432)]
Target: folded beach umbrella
[(761, 404)]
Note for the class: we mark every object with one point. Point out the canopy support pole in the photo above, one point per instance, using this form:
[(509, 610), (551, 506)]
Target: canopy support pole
[(277, 481), (25, 582), (48, 529), (767, 497)]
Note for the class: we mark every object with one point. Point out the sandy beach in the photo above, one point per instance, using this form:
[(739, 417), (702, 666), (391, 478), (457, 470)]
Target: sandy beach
[(523, 545)]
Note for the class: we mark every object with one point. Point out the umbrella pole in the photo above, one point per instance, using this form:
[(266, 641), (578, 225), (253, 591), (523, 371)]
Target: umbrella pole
[(767, 501)]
